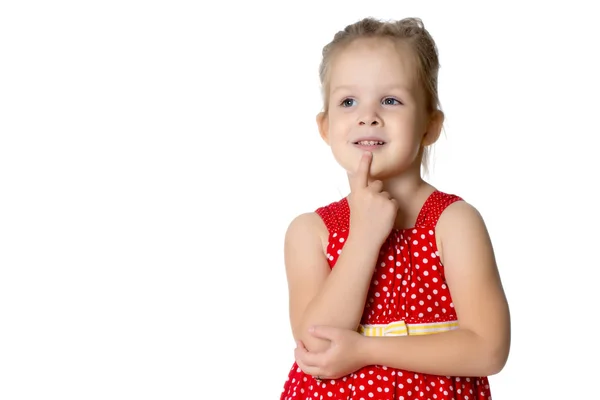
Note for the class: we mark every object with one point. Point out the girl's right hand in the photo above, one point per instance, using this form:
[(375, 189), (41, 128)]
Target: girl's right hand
[(372, 211)]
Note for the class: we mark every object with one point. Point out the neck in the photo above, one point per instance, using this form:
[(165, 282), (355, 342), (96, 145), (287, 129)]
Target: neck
[(410, 191), (406, 186)]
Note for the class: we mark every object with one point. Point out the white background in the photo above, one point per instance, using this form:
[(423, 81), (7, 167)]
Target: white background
[(153, 153)]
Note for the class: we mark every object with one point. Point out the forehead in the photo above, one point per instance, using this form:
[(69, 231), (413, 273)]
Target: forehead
[(373, 62)]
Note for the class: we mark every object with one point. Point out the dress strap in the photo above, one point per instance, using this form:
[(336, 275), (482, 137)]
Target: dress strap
[(335, 215), (433, 208)]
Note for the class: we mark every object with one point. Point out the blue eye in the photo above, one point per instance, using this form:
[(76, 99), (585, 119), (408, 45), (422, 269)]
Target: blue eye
[(389, 101), (347, 103)]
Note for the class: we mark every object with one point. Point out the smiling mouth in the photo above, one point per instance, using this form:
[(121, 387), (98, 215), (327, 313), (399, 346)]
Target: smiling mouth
[(369, 143)]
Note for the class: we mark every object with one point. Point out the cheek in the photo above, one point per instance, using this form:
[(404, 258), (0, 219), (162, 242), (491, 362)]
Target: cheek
[(338, 131)]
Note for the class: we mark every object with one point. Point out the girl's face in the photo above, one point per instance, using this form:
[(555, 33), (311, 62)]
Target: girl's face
[(377, 104)]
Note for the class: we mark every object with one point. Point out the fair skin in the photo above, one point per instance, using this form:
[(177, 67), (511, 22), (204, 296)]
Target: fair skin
[(373, 90)]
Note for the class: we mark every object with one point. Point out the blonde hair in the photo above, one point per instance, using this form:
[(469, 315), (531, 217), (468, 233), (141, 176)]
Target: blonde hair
[(410, 31)]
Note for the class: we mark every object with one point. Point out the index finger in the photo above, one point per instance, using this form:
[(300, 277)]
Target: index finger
[(360, 178)]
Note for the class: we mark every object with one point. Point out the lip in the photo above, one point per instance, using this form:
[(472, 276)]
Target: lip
[(369, 138), (369, 147)]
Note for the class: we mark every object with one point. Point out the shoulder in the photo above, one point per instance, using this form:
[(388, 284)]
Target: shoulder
[(316, 225), (461, 223), (306, 222), (307, 229), (459, 214)]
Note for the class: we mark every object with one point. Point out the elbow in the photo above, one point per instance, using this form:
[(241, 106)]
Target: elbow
[(491, 353), (310, 342), (496, 359)]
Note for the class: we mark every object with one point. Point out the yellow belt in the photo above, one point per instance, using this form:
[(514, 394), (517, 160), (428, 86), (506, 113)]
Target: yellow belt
[(400, 328)]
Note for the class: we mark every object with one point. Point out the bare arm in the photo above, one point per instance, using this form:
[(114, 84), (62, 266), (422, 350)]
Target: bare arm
[(481, 345), (317, 294)]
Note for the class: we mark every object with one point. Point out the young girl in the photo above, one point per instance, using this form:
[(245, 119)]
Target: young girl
[(394, 290)]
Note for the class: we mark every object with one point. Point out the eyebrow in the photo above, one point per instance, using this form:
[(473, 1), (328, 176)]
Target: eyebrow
[(395, 86)]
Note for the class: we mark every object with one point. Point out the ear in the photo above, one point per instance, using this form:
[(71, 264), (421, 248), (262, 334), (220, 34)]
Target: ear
[(434, 128), (323, 125)]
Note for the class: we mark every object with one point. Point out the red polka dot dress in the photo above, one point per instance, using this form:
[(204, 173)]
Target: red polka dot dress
[(408, 296)]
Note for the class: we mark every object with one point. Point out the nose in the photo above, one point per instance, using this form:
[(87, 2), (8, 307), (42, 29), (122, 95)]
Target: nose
[(370, 118), (370, 121)]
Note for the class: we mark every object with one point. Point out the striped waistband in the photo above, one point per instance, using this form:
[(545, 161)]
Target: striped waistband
[(400, 328)]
